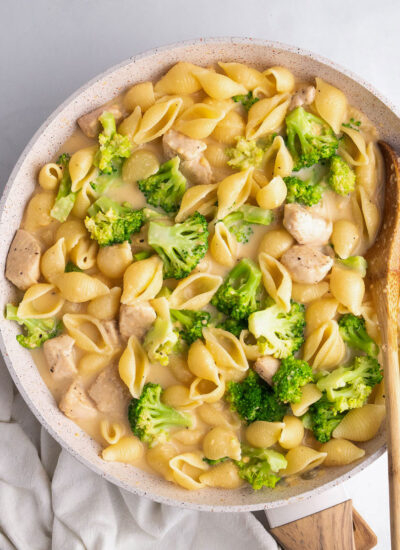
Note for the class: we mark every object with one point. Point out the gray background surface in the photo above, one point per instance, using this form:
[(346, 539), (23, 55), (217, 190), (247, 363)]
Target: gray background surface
[(48, 48)]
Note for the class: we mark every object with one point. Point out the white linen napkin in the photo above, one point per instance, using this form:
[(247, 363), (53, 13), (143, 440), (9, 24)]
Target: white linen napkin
[(49, 500)]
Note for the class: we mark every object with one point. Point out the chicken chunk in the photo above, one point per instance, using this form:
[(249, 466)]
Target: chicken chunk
[(175, 143), (59, 356), (23, 260), (266, 367), (305, 226), (136, 320), (306, 265), (198, 171), (112, 333), (109, 392), (76, 404), (303, 96), (90, 124)]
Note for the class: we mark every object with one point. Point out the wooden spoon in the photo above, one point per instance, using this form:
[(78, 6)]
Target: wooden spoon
[(384, 279)]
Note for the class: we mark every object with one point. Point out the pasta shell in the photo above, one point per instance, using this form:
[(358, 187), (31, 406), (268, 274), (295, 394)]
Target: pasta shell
[(219, 86), (331, 104), (324, 348), (201, 363), (220, 442), (301, 459), (195, 291), (111, 431), (276, 279), (267, 115), (133, 366), (264, 434), (88, 332), (157, 120), (79, 287), (53, 261), (142, 280), (223, 246), (360, 424), (227, 352), (280, 79), (40, 301), (341, 452), (187, 468), (127, 449), (224, 476), (199, 120), (79, 166), (206, 391), (247, 76), (292, 433), (199, 198), (233, 191), (309, 394)]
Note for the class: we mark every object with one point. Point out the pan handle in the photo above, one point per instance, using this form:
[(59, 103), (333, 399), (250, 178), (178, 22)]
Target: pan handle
[(337, 528)]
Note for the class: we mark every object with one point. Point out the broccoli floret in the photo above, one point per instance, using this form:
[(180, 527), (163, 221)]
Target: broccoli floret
[(303, 192), (245, 154), (278, 333), (353, 124), (356, 263), (216, 461), (180, 246), (65, 198), (113, 146), (348, 387), (309, 138), (247, 100), (37, 330), (235, 326), (259, 467), (239, 223), (291, 376), (191, 323), (324, 419), (110, 223), (161, 340), (166, 187), (70, 267), (342, 179), (151, 420), (253, 399), (352, 330), (143, 255), (237, 296)]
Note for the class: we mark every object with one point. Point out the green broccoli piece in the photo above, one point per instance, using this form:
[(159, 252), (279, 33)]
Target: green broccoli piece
[(110, 223), (324, 419), (355, 263), (309, 138), (161, 340), (278, 333), (235, 326), (143, 255), (352, 330), (353, 124), (166, 187), (150, 420), (180, 246), (253, 399), (70, 267), (245, 154), (247, 100), (348, 387), (239, 223), (65, 198), (237, 296), (303, 192), (191, 323), (37, 330), (104, 182), (291, 376), (113, 146), (259, 467), (342, 179), (212, 462)]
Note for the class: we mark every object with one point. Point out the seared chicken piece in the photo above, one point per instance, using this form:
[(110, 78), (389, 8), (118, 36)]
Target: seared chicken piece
[(306, 265), (90, 124), (23, 260), (175, 143), (109, 392), (197, 171), (266, 367), (305, 226), (59, 356), (136, 320), (303, 96), (76, 404)]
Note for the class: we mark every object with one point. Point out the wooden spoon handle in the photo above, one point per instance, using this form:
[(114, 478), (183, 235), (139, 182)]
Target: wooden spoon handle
[(336, 528)]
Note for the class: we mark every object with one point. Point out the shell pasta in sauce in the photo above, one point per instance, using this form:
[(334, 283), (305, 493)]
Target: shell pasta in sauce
[(190, 277)]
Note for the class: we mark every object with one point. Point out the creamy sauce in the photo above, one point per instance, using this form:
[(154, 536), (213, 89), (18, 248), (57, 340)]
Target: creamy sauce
[(332, 207)]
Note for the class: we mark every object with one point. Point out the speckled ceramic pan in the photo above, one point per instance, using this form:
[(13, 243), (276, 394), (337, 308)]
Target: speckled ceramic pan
[(42, 148)]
